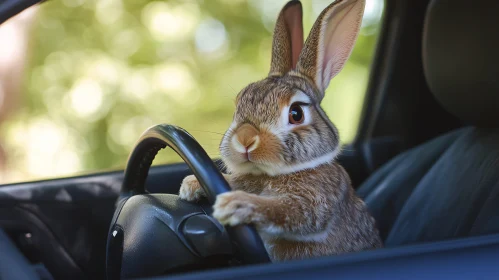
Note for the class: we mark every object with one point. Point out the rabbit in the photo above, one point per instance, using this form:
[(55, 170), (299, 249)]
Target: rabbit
[(280, 149)]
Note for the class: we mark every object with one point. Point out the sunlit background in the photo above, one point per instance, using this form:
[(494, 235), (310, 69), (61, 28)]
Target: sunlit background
[(80, 80)]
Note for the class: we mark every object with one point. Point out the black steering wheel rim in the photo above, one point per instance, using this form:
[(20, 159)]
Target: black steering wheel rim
[(246, 240)]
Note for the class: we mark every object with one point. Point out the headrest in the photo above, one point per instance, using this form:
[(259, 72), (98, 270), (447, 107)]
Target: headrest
[(461, 58)]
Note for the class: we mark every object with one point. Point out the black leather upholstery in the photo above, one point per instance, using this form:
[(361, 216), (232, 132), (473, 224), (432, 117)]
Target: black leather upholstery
[(449, 187), (460, 58)]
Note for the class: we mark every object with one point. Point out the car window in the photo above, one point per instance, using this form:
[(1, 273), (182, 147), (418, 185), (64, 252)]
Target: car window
[(80, 80)]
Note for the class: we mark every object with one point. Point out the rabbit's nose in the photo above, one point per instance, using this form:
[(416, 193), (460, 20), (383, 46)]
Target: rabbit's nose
[(246, 138)]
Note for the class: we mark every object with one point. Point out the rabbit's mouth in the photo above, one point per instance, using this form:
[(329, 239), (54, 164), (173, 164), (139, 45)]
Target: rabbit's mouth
[(250, 150), (246, 155)]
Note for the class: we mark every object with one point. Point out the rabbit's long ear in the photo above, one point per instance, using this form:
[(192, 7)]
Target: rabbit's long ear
[(288, 39), (330, 42)]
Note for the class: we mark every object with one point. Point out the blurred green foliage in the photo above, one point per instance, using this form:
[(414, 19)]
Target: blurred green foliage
[(101, 71)]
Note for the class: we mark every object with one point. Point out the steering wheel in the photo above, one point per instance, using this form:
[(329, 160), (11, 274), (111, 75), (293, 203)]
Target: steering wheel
[(247, 244)]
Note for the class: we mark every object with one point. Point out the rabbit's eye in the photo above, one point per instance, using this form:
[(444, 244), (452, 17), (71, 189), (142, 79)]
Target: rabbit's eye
[(296, 115)]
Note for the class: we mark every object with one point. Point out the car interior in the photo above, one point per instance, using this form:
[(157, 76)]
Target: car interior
[(425, 161)]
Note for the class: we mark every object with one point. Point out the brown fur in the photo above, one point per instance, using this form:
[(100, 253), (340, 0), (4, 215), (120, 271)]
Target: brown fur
[(300, 204), (268, 152), (260, 104), (288, 39), (246, 135), (284, 177), (318, 44)]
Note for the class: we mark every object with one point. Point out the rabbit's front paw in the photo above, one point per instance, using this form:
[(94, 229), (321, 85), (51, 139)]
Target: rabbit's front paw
[(234, 208), (190, 189)]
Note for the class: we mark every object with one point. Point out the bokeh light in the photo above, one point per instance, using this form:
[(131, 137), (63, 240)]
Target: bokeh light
[(90, 76)]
